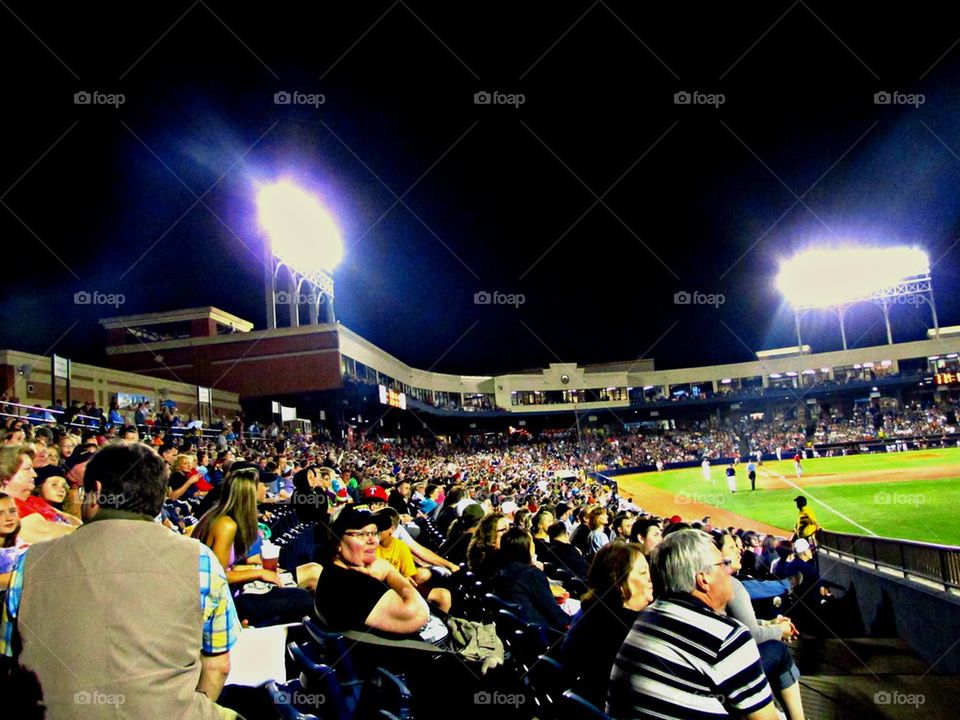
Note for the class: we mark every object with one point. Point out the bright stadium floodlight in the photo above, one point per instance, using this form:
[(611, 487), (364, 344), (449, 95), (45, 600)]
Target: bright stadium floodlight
[(302, 233), (837, 278), (304, 248), (828, 278)]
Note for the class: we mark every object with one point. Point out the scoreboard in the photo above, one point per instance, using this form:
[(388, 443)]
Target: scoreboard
[(947, 378), (392, 397)]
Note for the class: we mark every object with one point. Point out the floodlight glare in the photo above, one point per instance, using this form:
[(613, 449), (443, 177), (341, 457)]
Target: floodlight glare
[(827, 278), (302, 233)]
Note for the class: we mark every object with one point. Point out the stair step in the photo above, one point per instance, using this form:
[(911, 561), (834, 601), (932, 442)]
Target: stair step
[(858, 656)]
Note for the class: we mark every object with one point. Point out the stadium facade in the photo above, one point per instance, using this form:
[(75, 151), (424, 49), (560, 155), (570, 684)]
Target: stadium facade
[(330, 372)]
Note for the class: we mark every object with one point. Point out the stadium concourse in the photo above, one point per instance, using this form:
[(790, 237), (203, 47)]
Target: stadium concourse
[(450, 529)]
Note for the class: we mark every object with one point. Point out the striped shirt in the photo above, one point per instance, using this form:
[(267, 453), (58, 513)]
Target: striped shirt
[(683, 660)]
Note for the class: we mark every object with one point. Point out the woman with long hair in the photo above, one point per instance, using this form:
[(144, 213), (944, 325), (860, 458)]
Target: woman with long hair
[(230, 529), (11, 546), (482, 551), (519, 581), (619, 588)]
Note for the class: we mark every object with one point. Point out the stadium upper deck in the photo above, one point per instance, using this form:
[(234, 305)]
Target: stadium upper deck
[(213, 348)]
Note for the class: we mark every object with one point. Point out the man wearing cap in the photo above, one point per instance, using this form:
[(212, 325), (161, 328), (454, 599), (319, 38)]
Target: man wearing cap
[(807, 524)]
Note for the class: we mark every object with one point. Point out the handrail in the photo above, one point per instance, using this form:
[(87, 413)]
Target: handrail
[(934, 563)]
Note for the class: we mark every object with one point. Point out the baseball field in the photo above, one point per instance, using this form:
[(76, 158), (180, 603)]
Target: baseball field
[(911, 495)]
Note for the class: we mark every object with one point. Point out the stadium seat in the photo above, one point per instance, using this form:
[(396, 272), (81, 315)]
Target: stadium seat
[(549, 680), (574, 707), (282, 696)]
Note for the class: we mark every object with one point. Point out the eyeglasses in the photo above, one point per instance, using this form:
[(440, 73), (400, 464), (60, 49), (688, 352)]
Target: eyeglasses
[(365, 534), (727, 562), (501, 531)]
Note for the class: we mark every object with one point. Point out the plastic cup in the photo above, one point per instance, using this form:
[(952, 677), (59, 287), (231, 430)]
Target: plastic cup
[(270, 555)]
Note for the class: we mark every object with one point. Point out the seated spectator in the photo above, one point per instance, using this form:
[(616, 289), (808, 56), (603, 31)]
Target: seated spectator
[(597, 520), (52, 487), (359, 591), (541, 521), (229, 528), (801, 563), (647, 533), (154, 602), (483, 551), (768, 553), (38, 520), (561, 553), (683, 658), (778, 665), (67, 445), (523, 519), (519, 581), (183, 483), (310, 500), (461, 534), (429, 504), (621, 527), (449, 512), (11, 546), (619, 588), (401, 557), (750, 554)]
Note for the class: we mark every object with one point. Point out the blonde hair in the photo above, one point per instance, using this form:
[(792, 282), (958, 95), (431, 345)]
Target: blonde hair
[(190, 460)]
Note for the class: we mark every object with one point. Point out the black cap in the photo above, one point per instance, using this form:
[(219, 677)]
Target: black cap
[(48, 471), (800, 499), (356, 518)]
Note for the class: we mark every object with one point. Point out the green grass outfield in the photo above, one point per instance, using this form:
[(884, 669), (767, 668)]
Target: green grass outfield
[(924, 510)]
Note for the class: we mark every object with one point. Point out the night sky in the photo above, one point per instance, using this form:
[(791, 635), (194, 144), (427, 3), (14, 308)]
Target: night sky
[(598, 198)]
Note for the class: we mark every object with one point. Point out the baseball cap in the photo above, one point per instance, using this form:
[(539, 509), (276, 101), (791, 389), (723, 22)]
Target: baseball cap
[(675, 519), (800, 498), (800, 546), (372, 494), (357, 518), (508, 507)]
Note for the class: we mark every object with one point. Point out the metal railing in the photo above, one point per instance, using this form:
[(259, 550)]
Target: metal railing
[(938, 564)]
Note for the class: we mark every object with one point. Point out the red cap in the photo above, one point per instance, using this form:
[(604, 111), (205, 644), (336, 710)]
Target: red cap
[(675, 519), (374, 493)]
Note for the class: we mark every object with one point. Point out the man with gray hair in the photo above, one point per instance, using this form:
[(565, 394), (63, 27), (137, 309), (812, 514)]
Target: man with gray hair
[(683, 658)]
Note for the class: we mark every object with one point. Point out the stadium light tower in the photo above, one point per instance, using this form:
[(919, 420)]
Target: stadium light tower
[(839, 278), (303, 238)]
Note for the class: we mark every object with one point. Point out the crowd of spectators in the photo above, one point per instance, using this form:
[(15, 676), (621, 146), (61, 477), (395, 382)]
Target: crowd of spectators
[(393, 526)]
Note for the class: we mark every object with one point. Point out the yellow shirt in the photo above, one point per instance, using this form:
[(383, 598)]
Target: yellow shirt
[(807, 523), (399, 555)]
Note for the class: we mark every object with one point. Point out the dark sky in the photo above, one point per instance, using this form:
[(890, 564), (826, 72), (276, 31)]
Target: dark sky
[(597, 199)]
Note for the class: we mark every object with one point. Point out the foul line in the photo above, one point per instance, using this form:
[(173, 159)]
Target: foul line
[(806, 492)]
